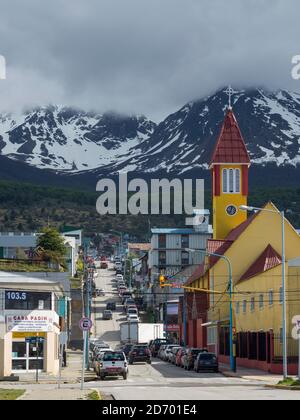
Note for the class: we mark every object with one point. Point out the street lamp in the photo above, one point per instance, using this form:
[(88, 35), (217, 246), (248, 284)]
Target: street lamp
[(232, 352), (284, 317)]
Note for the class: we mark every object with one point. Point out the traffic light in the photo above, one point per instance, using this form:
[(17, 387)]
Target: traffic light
[(162, 280)]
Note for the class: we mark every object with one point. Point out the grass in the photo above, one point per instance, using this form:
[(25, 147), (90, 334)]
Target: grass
[(10, 394), (21, 267), (95, 396), (289, 382)]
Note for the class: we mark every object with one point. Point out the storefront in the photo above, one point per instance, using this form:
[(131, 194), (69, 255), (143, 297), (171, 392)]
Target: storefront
[(30, 329)]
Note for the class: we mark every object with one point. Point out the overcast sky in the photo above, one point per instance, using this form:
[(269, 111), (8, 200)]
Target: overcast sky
[(143, 56)]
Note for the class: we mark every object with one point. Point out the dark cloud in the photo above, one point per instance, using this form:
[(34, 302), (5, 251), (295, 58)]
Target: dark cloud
[(143, 56)]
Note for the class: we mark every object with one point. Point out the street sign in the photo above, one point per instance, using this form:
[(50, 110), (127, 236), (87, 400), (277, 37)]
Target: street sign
[(85, 324)]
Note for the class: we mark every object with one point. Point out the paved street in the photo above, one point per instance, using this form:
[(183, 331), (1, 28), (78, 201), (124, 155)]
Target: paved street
[(162, 381), (158, 381)]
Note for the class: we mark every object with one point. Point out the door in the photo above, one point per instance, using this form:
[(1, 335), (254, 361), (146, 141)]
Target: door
[(27, 357)]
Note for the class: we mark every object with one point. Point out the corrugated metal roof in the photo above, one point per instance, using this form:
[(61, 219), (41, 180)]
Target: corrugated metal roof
[(230, 147), (175, 231), (267, 260)]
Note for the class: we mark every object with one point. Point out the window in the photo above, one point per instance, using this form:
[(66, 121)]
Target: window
[(184, 241), (271, 297), (244, 306), (281, 335), (225, 181), (162, 258), (231, 183), (237, 308), (281, 295), (261, 301), (18, 299), (184, 258), (162, 240), (237, 181), (252, 304), (231, 180)]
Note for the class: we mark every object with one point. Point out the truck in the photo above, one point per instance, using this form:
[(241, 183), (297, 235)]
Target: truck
[(136, 332)]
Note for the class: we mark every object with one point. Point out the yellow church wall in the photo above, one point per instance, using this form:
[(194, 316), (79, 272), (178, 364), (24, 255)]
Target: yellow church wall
[(269, 317), (222, 222), (265, 229)]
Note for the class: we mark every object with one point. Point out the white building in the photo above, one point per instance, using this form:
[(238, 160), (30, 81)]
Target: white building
[(29, 308)]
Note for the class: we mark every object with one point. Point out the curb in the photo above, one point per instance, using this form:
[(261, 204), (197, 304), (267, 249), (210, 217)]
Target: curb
[(287, 388)]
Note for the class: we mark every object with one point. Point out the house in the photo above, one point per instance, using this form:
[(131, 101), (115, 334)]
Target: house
[(22, 245), (252, 245)]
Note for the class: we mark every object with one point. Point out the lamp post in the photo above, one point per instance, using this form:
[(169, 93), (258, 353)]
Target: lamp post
[(230, 285), (284, 317)]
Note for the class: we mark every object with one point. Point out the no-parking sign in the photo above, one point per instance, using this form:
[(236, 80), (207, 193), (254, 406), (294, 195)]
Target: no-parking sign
[(85, 324)]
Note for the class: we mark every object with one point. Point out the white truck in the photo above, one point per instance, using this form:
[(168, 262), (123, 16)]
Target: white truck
[(135, 332)]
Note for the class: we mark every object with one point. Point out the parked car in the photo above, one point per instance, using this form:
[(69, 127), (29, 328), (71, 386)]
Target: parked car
[(179, 356), (119, 277), (188, 359), (126, 349), (172, 355), (161, 350), (206, 361), (111, 306), (156, 345), (107, 314), (139, 353), (112, 363), (167, 351), (100, 292)]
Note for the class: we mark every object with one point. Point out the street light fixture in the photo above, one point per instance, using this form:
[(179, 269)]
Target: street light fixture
[(284, 316), (232, 350)]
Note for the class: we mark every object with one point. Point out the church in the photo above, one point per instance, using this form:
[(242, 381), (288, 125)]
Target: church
[(252, 245)]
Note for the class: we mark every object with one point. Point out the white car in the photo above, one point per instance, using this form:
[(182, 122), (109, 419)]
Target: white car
[(133, 318), (132, 311), (112, 363), (119, 277)]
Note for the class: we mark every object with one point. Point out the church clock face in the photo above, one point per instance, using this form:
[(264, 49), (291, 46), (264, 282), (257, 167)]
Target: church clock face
[(231, 210)]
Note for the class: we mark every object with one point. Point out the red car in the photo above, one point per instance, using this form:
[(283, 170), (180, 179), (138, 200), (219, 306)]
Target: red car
[(181, 352)]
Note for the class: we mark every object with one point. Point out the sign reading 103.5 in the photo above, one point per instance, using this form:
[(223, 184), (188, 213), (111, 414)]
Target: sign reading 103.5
[(16, 295)]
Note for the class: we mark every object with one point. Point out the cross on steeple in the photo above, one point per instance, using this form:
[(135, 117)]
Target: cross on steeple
[(229, 92)]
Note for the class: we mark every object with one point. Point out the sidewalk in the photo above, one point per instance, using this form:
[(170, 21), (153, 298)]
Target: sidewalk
[(71, 374), (250, 374)]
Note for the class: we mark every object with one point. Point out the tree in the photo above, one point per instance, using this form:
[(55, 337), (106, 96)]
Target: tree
[(53, 245)]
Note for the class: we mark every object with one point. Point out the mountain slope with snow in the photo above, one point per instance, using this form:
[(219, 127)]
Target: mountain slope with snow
[(70, 141), (269, 122), (64, 139)]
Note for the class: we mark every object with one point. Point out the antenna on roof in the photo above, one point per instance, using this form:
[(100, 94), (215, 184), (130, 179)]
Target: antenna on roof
[(230, 92)]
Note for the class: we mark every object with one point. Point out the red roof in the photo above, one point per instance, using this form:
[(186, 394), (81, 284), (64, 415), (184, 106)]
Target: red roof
[(221, 250), (230, 147), (267, 260)]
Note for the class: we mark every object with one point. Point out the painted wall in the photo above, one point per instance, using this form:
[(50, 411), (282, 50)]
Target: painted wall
[(222, 222), (265, 229)]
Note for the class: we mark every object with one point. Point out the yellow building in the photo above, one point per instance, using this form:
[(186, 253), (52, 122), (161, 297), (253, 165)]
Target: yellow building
[(253, 246)]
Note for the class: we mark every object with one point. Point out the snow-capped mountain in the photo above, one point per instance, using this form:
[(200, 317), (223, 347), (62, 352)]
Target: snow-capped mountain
[(269, 122), (65, 139), (76, 142)]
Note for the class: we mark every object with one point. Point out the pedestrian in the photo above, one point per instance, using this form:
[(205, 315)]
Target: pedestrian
[(64, 357)]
